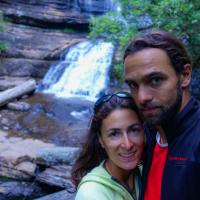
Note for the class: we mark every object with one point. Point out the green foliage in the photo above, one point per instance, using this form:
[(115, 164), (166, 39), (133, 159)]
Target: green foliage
[(2, 45), (181, 17), (117, 73), (1, 22), (5, 179), (69, 30), (111, 28)]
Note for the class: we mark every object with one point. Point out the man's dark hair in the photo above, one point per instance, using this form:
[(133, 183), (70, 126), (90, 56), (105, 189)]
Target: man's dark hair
[(162, 40)]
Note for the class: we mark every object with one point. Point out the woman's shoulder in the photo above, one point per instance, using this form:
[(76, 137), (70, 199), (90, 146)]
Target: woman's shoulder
[(91, 190), (94, 185), (96, 172), (95, 177)]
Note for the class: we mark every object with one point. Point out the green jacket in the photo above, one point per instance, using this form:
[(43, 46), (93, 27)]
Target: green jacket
[(99, 185)]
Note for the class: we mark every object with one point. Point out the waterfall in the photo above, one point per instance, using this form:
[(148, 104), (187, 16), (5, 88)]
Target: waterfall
[(83, 73), (95, 6)]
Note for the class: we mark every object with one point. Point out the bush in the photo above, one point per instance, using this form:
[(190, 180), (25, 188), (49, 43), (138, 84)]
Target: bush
[(181, 17)]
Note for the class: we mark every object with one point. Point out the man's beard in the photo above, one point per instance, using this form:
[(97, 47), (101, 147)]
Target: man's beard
[(167, 112)]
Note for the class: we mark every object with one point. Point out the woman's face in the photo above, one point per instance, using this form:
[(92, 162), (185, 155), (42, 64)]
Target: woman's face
[(122, 137)]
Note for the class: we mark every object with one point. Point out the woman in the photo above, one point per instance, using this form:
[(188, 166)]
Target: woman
[(107, 167)]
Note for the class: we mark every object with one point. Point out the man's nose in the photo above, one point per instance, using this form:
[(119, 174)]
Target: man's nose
[(144, 95)]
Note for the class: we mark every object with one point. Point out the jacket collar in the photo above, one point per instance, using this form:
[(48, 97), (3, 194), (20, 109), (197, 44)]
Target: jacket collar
[(182, 120)]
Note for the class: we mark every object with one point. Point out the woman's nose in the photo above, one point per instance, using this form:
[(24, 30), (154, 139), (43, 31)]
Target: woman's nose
[(126, 143)]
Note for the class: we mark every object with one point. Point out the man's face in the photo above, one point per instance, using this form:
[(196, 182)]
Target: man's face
[(154, 85)]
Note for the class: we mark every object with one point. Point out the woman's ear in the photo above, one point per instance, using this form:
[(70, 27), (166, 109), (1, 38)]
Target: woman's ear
[(101, 142), (186, 76)]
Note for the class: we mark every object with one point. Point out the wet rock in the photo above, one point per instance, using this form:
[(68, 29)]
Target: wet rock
[(20, 171), (31, 67), (20, 106), (5, 122), (52, 156), (62, 195), (17, 156), (27, 167), (13, 190), (19, 160), (54, 13), (23, 57), (7, 82), (14, 173), (5, 128), (58, 176)]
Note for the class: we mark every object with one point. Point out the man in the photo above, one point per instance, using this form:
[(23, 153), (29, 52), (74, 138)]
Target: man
[(158, 72)]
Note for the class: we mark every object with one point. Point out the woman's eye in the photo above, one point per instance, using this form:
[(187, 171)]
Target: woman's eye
[(114, 134), (135, 130)]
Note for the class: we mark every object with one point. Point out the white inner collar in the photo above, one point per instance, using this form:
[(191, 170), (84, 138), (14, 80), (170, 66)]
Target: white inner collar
[(158, 140)]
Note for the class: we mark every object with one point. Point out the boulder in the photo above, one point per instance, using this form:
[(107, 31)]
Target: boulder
[(31, 51), (62, 195), (18, 155), (7, 82), (19, 106), (62, 155), (58, 176), (19, 190)]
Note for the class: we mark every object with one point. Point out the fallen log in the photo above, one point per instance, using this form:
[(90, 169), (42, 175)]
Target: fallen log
[(17, 91)]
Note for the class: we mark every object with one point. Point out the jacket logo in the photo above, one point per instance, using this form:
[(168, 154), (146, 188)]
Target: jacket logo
[(177, 158)]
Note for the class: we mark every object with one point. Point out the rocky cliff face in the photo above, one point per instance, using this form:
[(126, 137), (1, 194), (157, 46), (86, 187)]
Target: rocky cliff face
[(32, 34), (54, 13)]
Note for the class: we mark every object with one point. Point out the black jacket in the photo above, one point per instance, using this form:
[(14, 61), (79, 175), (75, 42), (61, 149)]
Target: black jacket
[(181, 176)]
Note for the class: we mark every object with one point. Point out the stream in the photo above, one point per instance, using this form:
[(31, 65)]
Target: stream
[(56, 120)]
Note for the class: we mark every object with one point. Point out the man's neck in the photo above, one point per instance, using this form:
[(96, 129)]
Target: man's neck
[(185, 99)]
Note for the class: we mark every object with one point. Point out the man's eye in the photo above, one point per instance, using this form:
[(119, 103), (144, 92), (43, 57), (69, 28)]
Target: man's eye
[(132, 85), (156, 80)]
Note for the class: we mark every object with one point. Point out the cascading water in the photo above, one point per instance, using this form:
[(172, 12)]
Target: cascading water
[(96, 7), (83, 72)]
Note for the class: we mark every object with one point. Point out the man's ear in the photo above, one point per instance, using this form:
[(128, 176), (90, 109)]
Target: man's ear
[(186, 76), (101, 142)]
